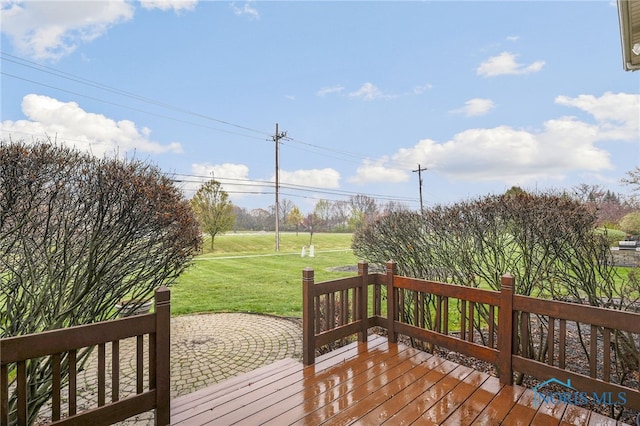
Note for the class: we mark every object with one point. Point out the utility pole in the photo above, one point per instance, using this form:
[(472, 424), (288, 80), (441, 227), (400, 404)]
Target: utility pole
[(276, 139), (419, 170)]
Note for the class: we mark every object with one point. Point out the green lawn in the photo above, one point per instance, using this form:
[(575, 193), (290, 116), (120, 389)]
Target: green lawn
[(245, 274)]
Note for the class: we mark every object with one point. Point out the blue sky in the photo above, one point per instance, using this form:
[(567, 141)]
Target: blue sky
[(485, 95)]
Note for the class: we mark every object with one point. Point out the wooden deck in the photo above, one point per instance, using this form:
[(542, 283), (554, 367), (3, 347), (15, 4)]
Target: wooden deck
[(371, 383)]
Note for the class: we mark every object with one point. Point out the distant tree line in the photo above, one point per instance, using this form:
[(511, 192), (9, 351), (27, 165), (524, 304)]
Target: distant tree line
[(327, 216)]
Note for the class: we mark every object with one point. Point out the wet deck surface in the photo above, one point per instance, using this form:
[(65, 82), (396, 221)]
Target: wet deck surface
[(371, 384)]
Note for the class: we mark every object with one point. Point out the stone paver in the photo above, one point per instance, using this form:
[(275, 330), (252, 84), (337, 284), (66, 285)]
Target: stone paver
[(205, 349)]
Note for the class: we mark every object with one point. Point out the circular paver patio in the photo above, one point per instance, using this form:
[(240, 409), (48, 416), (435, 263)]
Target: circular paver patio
[(205, 349)]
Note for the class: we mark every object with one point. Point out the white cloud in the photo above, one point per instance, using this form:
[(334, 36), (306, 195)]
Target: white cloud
[(70, 124), (475, 107), (329, 90), (176, 5), (378, 171), (513, 38), (246, 9), (418, 90), (514, 156), (369, 92), (618, 114), (52, 29), (319, 178), (233, 177), (505, 64)]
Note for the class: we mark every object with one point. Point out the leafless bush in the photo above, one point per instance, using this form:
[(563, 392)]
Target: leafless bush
[(77, 235), (546, 241)]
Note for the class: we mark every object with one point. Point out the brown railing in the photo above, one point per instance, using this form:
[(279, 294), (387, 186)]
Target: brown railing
[(62, 348), (514, 333)]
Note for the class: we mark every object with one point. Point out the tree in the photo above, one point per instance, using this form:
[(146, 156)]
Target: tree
[(213, 209), (363, 210), (515, 191), (607, 205), (394, 206), (285, 207), (310, 224), (630, 223), (322, 213), (340, 212), (294, 219), (78, 234), (633, 179), (244, 220), (264, 219)]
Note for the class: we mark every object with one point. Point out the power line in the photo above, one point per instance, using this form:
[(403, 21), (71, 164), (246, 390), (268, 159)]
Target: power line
[(338, 154), (292, 186), (62, 74), (296, 143), (128, 107)]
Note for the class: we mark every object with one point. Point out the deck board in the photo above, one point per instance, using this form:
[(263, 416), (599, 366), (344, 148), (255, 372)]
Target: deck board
[(371, 383)]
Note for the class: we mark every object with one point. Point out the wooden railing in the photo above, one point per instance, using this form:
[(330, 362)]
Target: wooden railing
[(493, 326), (333, 310), (62, 348)]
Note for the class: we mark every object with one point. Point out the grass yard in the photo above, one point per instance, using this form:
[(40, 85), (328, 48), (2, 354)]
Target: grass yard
[(245, 274)]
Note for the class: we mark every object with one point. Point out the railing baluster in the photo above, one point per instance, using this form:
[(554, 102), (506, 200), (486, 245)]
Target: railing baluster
[(606, 358), (317, 318), (153, 371), (471, 313), (22, 392), (332, 311), (423, 311), (562, 343), (593, 352), (344, 298), (4, 395), (377, 300), (445, 321), (139, 364), (416, 310), (327, 324), (115, 370), (463, 319), (73, 378), (55, 387), (361, 300), (101, 374), (492, 325), (524, 332), (438, 319), (356, 310), (551, 340)]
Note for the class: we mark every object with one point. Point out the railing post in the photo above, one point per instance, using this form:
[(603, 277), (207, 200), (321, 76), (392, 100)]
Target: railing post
[(505, 330), (363, 303), (392, 302), (308, 311), (163, 356)]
